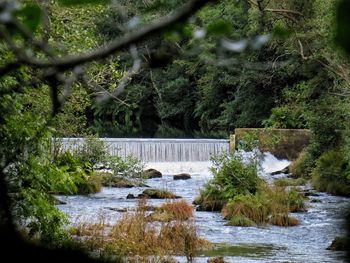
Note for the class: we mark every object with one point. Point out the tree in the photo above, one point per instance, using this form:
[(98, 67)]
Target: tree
[(30, 61)]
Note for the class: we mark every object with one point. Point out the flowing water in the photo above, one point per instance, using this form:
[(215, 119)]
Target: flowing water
[(306, 242)]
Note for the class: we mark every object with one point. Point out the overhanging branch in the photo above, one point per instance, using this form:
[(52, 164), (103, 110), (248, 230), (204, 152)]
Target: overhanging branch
[(156, 27)]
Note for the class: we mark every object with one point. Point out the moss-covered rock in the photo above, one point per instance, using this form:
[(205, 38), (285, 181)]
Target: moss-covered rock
[(338, 244), (109, 180), (152, 173), (157, 194)]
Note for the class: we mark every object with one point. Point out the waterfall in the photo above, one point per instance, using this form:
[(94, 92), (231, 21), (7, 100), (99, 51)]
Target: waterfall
[(160, 150)]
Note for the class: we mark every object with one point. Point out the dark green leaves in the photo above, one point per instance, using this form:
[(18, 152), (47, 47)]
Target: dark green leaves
[(281, 32), (30, 16), (219, 28), (343, 25), (83, 2)]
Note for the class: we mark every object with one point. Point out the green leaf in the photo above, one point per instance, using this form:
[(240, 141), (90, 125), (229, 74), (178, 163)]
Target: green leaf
[(343, 24), (281, 32), (83, 2), (31, 16), (219, 28)]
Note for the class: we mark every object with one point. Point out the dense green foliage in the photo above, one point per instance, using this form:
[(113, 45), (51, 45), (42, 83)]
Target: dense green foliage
[(332, 173), (232, 177), (235, 64)]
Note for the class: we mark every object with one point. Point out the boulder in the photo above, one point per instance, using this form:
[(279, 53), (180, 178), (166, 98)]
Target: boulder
[(57, 201), (157, 194), (182, 176), (120, 182), (152, 173), (338, 244), (216, 260), (130, 196), (120, 210), (283, 171)]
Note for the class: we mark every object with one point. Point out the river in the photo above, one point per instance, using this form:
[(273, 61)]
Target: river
[(306, 242)]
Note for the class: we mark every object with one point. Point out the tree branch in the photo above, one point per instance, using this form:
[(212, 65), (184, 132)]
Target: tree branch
[(158, 26)]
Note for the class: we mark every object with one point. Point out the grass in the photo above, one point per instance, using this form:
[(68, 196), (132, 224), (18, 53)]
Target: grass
[(240, 220), (169, 211), (265, 206), (209, 201), (134, 237), (300, 167), (290, 182), (283, 220)]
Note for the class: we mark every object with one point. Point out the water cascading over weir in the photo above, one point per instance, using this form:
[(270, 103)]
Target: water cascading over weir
[(160, 150)]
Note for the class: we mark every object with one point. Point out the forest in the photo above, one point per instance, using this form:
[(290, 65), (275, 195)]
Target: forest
[(166, 69)]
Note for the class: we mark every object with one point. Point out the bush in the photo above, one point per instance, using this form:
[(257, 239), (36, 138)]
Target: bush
[(130, 168), (81, 176), (332, 173), (210, 198), (93, 151), (232, 177), (302, 166)]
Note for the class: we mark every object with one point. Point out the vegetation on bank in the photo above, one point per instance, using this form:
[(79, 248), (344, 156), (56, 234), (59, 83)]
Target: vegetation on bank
[(245, 199)]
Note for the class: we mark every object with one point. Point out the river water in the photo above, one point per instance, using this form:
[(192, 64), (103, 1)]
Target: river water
[(306, 242)]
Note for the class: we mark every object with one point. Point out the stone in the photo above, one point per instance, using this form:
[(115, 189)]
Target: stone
[(130, 196), (157, 194), (121, 210), (283, 171), (57, 201), (182, 176), (216, 260), (338, 244), (152, 173)]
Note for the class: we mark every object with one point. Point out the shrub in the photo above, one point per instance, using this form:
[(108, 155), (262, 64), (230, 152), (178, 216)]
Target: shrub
[(81, 176), (130, 168), (232, 177), (92, 150), (332, 173), (210, 198), (302, 166)]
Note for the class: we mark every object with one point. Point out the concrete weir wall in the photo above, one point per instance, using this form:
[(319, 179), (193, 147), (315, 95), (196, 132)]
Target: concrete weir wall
[(283, 143)]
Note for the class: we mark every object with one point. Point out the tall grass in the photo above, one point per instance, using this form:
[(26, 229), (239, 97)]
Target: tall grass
[(270, 204), (179, 210), (135, 238)]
